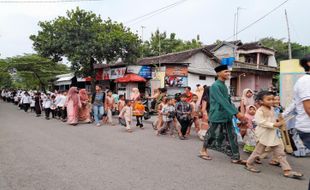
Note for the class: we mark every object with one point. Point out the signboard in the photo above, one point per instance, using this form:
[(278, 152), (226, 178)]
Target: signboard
[(116, 73), (143, 71), (175, 81), (177, 71), (106, 73)]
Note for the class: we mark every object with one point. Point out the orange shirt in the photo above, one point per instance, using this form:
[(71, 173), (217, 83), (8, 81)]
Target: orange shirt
[(138, 109)]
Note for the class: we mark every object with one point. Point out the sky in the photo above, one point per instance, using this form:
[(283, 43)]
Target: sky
[(211, 19)]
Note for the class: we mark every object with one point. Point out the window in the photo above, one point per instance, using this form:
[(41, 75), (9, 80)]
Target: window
[(202, 77)]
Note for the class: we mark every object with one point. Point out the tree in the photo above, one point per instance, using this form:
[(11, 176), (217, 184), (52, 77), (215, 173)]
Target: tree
[(298, 51), (85, 39), (160, 43), (5, 77), (34, 71)]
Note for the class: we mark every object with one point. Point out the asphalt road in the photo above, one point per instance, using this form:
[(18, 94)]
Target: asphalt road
[(36, 154)]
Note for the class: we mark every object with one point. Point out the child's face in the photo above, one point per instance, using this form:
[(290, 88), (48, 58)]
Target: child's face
[(122, 98), (170, 102), (252, 111), (276, 101), (109, 93), (129, 103), (183, 99), (195, 98), (249, 94), (268, 101)]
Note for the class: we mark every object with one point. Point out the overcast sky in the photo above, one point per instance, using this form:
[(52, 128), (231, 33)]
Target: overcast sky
[(211, 19)]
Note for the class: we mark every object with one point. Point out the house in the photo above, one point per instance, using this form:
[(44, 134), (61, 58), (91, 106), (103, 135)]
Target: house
[(63, 82), (173, 70), (254, 65)]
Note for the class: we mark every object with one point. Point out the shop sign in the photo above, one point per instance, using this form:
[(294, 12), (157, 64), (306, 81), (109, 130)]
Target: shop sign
[(143, 71), (116, 73)]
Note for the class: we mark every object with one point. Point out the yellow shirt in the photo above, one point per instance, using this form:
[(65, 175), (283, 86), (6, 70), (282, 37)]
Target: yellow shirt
[(265, 132)]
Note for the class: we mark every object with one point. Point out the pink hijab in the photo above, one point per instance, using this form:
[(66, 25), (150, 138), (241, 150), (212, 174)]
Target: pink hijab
[(73, 95)]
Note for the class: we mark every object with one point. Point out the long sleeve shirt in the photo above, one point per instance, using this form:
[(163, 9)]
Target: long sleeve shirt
[(265, 132), (221, 108)]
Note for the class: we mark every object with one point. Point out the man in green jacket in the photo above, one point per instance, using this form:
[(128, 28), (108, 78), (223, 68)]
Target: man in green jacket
[(221, 136)]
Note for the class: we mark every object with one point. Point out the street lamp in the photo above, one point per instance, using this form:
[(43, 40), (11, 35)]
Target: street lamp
[(239, 82)]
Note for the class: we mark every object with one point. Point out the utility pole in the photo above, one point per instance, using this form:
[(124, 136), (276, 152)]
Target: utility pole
[(236, 23), (289, 37), (142, 28)]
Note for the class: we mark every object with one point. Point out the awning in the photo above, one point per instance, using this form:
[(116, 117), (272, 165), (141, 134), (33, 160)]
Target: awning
[(130, 78)]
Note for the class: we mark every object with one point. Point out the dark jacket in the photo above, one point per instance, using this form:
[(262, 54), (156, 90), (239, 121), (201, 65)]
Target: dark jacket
[(94, 96)]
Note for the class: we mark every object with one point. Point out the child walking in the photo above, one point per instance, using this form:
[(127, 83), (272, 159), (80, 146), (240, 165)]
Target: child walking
[(168, 113), (268, 134), (109, 103), (126, 114), (47, 107), (183, 110), (249, 138), (196, 114), (139, 110)]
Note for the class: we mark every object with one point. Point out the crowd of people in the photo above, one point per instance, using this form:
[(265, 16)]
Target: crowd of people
[(216, 120)]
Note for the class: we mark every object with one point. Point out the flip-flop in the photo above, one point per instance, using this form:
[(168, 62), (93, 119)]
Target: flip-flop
[(252, 169), (205, 157), (274, 164), (294, 175), (241, 162)]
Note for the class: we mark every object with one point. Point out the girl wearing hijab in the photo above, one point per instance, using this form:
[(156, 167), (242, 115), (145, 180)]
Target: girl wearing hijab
[(135, 94), (73, 104), (247, 99), (84, 111)]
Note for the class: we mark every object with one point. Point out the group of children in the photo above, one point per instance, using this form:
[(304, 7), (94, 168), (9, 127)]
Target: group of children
[(179, 114)]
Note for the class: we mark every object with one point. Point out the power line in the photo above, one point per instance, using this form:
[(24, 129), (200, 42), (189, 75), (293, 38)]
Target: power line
[(153, 13), (256, 21), (42, 1)]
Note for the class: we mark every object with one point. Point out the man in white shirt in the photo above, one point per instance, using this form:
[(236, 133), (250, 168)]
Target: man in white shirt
[(60, 103), (302, 101)]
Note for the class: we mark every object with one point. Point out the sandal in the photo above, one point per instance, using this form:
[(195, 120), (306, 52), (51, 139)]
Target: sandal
[(294, 175), (251, 169), (241, 162), (274, 163), (205, 157), (258, 161)]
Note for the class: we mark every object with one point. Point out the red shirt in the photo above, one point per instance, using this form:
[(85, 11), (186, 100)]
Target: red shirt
[(189, 97)]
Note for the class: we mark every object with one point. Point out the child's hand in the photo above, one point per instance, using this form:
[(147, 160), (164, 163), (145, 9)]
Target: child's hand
[(278, 124)]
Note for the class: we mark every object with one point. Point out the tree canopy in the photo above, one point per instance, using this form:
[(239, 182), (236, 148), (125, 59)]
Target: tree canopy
[(85, 39), (31, 71), (281, 47), (162, 43)]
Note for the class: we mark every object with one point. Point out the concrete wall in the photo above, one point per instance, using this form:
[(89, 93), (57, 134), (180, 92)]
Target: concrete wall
[(193, 80), (224, 52), (255, 82), (200, 61)]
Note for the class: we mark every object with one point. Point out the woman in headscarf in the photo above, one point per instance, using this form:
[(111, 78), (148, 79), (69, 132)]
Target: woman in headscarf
[(204, 126), (135, 94), (73, 104), (84, 111), (247, 99)]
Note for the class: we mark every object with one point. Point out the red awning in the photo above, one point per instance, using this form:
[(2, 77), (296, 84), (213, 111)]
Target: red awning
[(130, 78)]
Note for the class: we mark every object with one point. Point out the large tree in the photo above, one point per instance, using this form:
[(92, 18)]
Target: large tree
[(161, 43), (34, 71), (84, 39), (5, 77), (281, 47)]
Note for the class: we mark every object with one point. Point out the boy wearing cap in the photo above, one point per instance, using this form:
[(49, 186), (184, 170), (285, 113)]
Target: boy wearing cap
[(221, 135)]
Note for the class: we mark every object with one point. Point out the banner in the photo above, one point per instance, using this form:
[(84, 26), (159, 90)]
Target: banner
[(116, 73), (106, 74), (174, 81), (143, 71), (177, 71)]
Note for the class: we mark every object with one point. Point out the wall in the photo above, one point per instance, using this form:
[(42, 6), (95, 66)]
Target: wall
[(200, 61), (224, 52), (255, 82), (193, 80)]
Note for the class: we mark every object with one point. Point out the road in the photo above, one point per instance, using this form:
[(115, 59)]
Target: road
[(36, 154)]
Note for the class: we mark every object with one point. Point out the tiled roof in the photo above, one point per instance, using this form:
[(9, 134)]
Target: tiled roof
[(253, 45)]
